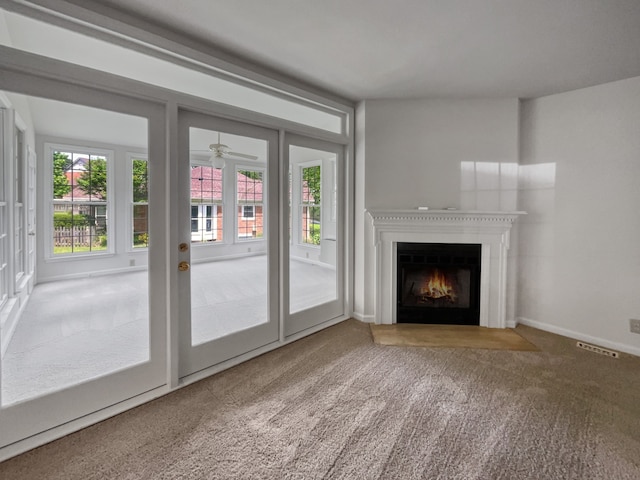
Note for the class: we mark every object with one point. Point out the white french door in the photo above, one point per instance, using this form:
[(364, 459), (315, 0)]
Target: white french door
[(314, 265), (94, 334), (228, 273)]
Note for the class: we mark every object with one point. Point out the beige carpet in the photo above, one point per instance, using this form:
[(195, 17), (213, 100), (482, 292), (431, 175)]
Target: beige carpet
[(336, 405), (450, 336)]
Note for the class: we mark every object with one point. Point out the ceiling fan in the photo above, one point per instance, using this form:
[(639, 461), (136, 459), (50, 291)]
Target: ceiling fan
[(220, 151)]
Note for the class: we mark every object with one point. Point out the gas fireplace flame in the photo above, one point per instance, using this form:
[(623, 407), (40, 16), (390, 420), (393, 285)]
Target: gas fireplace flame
[(438, 287)]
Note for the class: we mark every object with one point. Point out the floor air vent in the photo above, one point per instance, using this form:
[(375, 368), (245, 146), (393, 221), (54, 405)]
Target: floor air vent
[(600, 350)]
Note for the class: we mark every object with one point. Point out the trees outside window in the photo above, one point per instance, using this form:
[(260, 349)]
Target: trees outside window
[(140, 202), (311, 191), (79, 187)]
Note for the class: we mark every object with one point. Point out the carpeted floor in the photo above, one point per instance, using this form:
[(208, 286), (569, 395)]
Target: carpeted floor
[(336, 405)]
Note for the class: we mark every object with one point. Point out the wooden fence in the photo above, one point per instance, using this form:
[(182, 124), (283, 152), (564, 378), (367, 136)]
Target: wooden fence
[(76, 236)]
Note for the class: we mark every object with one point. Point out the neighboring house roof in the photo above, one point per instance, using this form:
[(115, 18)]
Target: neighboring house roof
[(206, 185), (77, 194), (78, 168)]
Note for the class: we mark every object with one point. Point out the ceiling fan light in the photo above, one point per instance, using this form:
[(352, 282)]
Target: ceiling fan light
[(217, 161)]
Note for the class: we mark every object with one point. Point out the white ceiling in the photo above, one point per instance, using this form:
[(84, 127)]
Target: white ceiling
[(364, 49)]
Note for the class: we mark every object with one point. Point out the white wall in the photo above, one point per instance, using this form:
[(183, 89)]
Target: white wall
[(415, 147), (415, 153), (579, 251)]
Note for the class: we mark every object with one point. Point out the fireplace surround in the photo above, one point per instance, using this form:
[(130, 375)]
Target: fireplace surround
[(490, 230)]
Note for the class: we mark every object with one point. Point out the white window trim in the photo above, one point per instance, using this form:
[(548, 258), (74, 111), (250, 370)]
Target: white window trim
[(200, 162), (5, 294), (236, 233), (49, 148), (130, 158), (20, 276), (300, 205), (253, 210)]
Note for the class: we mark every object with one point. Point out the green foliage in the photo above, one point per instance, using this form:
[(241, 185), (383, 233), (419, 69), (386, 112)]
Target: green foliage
[(140, 181), (313, 179), (140, 239), (61, 164), (93, 180), (68, 220), (314, 234), (251, 174)]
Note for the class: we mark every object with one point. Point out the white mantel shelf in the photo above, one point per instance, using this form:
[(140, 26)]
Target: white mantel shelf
[(487, 228)]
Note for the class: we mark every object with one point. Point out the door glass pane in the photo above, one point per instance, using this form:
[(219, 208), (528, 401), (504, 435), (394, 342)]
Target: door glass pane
[(140, 202), (312, 228), (88, 315), (229, 271)]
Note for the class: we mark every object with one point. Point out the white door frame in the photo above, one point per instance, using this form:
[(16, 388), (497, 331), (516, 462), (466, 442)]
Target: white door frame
[(297, 322), (194, 358), (36, 415)]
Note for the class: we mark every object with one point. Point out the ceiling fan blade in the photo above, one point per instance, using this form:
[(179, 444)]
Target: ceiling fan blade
[(241, 155)]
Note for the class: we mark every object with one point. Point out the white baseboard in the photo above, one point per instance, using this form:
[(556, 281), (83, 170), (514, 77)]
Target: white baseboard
[(547, 327), (513, 323), (60, 431), (363, 318)]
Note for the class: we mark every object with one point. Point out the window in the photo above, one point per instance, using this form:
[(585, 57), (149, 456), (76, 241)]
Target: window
[(310, 204), (140, 202), (249, 203), (18, 203), (80, 181), (248, 212), (206, 204), (4, 248)]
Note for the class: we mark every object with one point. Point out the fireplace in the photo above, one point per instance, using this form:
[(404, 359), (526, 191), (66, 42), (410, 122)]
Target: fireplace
[(490, 230), (438, 283)]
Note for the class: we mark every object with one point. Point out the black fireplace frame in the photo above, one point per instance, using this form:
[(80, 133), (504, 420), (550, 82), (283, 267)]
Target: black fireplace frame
[(416, 255)]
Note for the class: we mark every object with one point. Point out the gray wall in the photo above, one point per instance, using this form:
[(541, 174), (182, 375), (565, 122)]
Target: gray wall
[(412, 153), (572, 161), (579, 252)]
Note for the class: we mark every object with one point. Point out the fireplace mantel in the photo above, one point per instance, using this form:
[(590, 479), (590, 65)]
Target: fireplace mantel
[(489, 229)]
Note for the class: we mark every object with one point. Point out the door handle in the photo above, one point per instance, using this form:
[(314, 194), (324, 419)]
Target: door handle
[(183, 266)]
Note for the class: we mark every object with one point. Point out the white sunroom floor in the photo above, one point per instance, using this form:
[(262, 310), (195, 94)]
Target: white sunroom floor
[(75, 330)]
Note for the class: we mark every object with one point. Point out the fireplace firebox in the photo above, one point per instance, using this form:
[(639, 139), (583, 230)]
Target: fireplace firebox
[(438, 283)]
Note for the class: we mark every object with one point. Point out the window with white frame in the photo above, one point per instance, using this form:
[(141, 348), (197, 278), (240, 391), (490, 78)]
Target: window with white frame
[(80, 203), (249, 202), (206, 204), (4, 247), (248, 212), (139, 202), (19, 233), (310, 204)]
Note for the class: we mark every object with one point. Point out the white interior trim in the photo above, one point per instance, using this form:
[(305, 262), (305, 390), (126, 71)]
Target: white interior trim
[(489, 229), (565, 332)]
